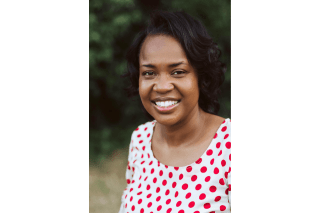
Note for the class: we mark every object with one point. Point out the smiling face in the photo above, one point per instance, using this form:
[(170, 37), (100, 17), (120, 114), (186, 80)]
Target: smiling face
[(168, 84)]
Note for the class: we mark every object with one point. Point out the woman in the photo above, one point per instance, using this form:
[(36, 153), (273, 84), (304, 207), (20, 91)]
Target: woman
[(180, 161)]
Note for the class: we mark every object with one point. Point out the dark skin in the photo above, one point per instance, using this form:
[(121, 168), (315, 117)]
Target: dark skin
[(183, 133)]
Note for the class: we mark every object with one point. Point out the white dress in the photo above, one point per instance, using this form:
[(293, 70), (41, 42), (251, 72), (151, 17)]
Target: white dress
[(201, 187)]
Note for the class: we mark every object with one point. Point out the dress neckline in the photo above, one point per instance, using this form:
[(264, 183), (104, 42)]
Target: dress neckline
[(202, 156)]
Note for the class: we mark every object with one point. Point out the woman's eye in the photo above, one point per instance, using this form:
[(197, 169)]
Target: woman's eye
[(178, 72), (148, 73)]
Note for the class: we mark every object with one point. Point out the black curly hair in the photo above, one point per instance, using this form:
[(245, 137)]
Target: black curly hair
[(201, 51)]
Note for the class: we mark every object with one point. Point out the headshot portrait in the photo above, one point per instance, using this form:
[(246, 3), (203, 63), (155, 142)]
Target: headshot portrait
[(160, 122)]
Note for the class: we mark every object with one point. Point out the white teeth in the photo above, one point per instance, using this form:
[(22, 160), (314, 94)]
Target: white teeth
[(166, 103)]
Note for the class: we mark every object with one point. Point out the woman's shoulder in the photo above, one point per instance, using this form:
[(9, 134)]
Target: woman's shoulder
[(143, 132)]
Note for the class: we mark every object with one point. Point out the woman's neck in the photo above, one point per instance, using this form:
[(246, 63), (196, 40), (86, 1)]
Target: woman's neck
[(184, 133)]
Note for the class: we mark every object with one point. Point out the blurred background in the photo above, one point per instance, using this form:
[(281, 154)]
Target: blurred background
[(113, 24)]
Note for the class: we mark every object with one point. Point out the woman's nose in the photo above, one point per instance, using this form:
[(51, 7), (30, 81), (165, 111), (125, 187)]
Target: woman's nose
[(163, 85)]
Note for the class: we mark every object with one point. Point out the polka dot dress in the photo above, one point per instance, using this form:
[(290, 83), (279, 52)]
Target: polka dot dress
[(201, 187)]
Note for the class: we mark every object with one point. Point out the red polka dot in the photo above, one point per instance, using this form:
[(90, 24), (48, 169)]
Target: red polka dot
[(159, 208), (158, 189), (230, 157), (131, 198), (141, 141), (139, 135), (131, 189), (143, 148), (216, 170), (218, 145), (132, 208), (169, 210), (184, 186), (148, 155), (161, 173), (158, 198), (226, 175), (148, 187), (224, 129), (142, 210), (170, 175), (154, 180), (229, 187), (212, 161), (167, 192), (149, 195), (144, 170), (141, 155), (166, 166), (178, 203), (128, 181), (206, 205), (164, 182), (215, 136), (181, 211), (199, 161), (194, 178), (222, 208), (188, 195), (180, 176), (221, 181), (213, 188), (223, 163), (207, 179), (176, 194), (196, 212), (226, 191), (217, 198), (136, 129), (168, 201), (229, 169), (149, 204), (198, 187), (220, 153), (150, 163), (228, 145), (158, 163), (191, 204), (133, 181), (145, 128), (202, 196), (126, 205), (176, 168), (209, 152), (145, 178), (203, 169), (148, 135), (139, 201), (189, 169), (139, 185), (174, 184), (152, 170), (139, 193), (226, 136)]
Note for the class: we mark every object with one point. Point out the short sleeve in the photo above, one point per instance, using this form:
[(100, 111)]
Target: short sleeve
[(228, 146), (129, 175)]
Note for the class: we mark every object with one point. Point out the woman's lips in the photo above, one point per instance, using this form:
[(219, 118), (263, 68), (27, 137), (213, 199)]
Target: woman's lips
[(164, 109)]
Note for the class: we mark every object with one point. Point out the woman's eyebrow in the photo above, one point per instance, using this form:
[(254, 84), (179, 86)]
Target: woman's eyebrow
[(170, 65)]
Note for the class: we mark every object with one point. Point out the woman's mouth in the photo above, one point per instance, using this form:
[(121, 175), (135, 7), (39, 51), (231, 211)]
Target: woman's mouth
[(165, 105)]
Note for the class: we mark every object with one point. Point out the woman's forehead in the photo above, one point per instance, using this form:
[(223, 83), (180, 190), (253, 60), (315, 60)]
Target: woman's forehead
[(161, 49)]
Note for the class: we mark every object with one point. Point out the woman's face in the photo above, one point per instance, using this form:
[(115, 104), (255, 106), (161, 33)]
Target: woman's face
[(168, 84)]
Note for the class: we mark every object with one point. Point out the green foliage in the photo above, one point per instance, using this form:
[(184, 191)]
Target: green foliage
[(113, 25)]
